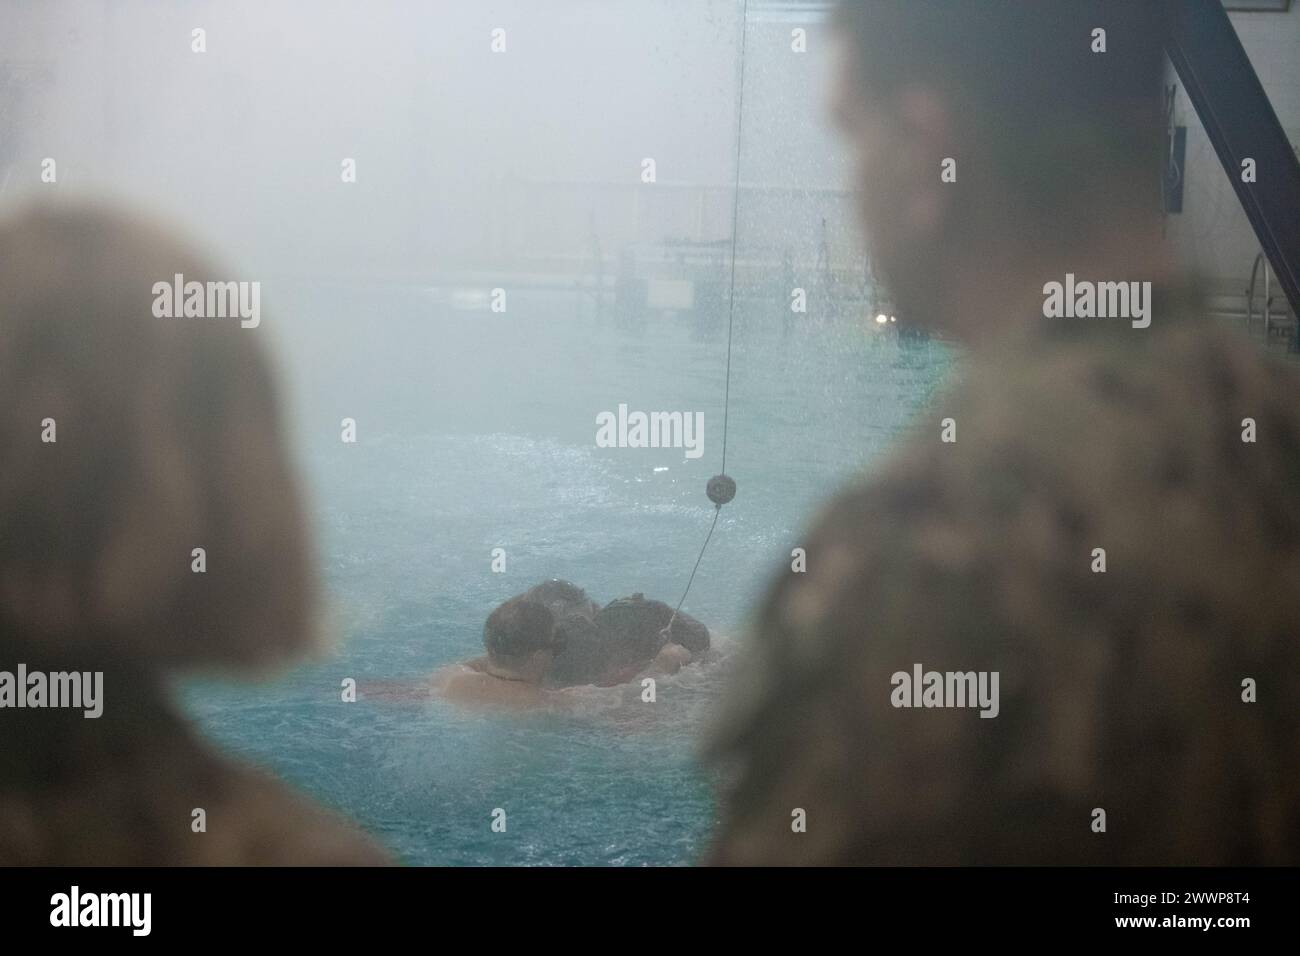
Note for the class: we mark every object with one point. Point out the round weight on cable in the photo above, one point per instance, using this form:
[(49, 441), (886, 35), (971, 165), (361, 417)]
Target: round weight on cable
[(721, 489)]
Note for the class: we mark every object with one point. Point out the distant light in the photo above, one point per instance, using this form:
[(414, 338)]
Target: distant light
[(892, 319), (881, 319)]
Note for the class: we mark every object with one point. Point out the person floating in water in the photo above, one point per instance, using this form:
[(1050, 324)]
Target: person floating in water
[(553, 637)]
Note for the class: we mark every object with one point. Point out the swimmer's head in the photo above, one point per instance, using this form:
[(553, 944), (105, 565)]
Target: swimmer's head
[(635, 629), (521, 639), (129, 442), (558, 591)]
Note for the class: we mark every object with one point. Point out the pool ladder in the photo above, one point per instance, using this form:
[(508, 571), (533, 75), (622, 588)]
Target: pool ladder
[(1267, 305)]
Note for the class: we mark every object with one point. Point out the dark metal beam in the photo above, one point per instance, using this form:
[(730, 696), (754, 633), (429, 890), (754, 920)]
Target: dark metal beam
[(1228, 97)]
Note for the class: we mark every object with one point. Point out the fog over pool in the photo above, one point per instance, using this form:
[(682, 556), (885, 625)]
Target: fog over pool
[(476, 230)]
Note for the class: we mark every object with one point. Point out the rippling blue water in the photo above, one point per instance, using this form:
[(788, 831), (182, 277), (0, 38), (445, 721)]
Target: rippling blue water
[(477, 431)]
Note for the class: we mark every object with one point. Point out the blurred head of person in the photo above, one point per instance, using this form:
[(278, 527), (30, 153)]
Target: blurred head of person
[(1055, 147), (129, 442)]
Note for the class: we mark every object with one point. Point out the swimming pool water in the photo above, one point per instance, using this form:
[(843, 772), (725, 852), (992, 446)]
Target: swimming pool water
[(476, 431)]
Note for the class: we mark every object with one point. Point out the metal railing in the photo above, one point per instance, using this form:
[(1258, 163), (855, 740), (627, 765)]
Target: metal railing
[(1268, 295)]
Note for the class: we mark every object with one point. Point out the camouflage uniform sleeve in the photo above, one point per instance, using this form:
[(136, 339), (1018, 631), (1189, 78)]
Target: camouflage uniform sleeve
[(957, 557), (816, 761), (1117, 690)]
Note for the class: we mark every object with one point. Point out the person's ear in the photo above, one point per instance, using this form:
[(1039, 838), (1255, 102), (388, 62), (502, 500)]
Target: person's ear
[(925, 115), (927, 128)]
